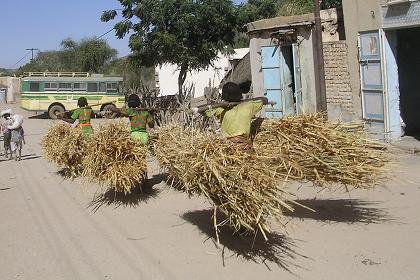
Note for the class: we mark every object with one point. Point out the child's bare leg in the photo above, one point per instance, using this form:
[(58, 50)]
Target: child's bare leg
[(20, 151)]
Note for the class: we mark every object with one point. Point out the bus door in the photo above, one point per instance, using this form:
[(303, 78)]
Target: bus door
[(31, 95)]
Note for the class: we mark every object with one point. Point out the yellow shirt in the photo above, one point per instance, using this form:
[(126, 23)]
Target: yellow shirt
[(237, 120)]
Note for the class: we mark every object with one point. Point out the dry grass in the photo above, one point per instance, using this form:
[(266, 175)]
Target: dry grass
[(322, 152), (235, 182), (65, 147), (53, 139), (114, 159)]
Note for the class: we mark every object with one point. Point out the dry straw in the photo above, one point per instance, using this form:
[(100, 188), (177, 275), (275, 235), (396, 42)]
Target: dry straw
[(237, 183), (65, 147), (328, 154), (114, 159)]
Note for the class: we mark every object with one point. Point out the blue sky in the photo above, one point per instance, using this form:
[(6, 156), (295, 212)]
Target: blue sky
[(43, 24)]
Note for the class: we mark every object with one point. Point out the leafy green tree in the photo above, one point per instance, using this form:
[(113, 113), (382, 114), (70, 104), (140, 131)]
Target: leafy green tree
[(190, 34), (297, 7), (257, 9), (45, 61), (92, 55), (134, 76), (251, 11), (88, 55)]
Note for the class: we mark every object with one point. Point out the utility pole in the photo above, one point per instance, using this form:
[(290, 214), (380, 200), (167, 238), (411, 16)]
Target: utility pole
[(32, 50), (321, 97)]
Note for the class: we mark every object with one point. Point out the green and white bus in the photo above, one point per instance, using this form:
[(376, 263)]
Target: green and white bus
[(58, 92)]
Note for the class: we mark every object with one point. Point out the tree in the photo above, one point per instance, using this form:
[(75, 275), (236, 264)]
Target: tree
[(93, 54), (134, 76), (257, 9), (190, 34), (251, 11), (297, 7), (87, 55)]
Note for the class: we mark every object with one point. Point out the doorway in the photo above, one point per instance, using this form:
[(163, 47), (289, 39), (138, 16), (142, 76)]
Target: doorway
[(281, 74), (408, 61)]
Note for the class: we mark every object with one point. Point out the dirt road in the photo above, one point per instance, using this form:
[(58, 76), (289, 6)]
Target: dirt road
[(52, 228)]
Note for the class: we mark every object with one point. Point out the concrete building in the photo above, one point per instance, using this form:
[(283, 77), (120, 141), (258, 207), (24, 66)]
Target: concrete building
[(282, 64), (12, 86), (167, 75), (383, 38)]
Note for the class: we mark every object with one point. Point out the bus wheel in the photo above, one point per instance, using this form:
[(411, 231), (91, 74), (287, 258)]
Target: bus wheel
[(108, 113), (55, 110)]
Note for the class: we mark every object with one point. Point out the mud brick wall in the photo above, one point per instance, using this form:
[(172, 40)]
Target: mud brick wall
[(337, 79)]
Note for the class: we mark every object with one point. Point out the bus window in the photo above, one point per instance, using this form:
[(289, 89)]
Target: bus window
[(112, 87), (34, 87), (64, 86), (92, 87), (79, 86), (102, 87), (50, 86)]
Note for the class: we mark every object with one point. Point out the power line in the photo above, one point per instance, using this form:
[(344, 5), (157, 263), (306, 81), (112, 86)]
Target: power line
[(11, 67), (99, 37)]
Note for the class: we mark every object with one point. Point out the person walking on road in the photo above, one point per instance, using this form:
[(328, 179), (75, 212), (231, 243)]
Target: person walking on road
[(7, 134), (81, 117), (139, 119)]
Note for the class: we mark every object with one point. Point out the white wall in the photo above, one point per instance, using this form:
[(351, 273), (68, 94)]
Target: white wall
[(13, 87), (167, 75)]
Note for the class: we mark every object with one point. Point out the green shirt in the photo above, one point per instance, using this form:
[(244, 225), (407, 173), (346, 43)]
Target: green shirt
[(82, 114), (138, 119), (237, 120)]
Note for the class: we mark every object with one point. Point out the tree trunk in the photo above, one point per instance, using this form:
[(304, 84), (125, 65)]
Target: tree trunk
[(181, 79)]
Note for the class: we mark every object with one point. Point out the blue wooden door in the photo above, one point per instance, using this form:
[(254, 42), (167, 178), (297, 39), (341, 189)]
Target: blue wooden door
[(270, 57), (371, 76), (281, 72)]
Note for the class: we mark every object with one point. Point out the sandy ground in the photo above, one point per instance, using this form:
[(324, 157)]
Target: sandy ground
[(52, 228)]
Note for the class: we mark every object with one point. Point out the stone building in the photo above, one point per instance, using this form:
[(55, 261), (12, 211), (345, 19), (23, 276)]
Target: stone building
[(283, 69)]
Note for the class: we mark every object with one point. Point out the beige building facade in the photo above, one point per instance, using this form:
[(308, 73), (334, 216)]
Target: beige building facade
[(383, 39)]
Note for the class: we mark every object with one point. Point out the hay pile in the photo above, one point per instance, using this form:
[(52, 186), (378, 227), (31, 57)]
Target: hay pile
[(237, 183), (52, 140), (65, 147), (322, 152), (114, 159)]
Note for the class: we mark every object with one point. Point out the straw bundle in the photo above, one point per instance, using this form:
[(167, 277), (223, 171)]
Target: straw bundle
[(115, 159), (322, 152), (53, 140), (65, 147), (235, 182)]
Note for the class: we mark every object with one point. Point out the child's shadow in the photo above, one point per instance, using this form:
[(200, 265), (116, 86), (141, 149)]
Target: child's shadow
[(140, 193)]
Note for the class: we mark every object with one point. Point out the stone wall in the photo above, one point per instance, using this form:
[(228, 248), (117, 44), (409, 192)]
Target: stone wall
[(337, 79)]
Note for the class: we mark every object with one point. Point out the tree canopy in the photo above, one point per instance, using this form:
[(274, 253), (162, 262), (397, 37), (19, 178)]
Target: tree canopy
[(190, 34), (87, 55)]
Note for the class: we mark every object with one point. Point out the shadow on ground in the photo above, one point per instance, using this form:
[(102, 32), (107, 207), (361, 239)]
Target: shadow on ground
[(42, 116), (29, 157), (23, 157), (67, 173), (279, 249), (139, 194), (341, 211)]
